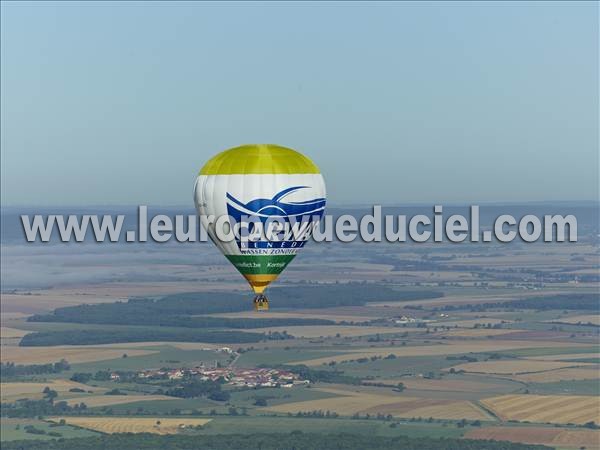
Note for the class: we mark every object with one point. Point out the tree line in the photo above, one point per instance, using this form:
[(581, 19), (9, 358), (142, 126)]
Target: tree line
[(35, 408), (10, 369), (296, 440), (146, 315), (96, 336)]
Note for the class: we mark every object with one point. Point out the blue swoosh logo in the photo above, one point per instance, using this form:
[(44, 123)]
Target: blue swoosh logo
[(276, 206)]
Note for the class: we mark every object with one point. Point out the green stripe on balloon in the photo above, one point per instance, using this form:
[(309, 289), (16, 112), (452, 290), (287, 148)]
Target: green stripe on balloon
[(260, 264)]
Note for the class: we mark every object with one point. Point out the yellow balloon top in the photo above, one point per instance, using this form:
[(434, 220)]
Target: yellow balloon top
[(259, 159)]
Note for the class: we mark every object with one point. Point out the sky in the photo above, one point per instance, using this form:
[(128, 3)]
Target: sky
[(122, 103)]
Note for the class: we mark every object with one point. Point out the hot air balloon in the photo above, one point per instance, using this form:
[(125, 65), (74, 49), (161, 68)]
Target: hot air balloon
[(262, 187)]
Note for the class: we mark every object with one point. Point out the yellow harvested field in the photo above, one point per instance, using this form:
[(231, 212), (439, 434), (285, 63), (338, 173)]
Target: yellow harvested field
[(314, 331), (351, 402), (7, 332), (560, 409), (449, 348), (72, 353), (14, 390), (347, 403), (565, 356), (584, 319), (167, 425), (106, 400), (438, 409), (517, 366), (539, 435), (558, 375)]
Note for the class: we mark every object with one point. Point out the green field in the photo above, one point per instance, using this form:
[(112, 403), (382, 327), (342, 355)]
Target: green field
[(164, 407), (548, 326), (387, 368), (571, 387), (270, 424), (239, 399), (595, 360), (281, 356), (9, 431), (277, 396), (167, 356)]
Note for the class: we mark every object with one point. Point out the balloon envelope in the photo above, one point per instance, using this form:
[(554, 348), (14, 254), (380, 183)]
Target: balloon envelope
[(267, 184)]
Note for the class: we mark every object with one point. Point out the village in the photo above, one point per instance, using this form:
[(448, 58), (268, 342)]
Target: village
[(254, 377)]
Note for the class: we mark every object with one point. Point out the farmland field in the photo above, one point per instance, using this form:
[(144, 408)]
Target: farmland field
[(515, 367), (565, 387), (558, 375), (12, 429), (14, 390), (435, 408), (470, 323), (73, 354), (154, 356), (453, 385), (345, 402), (538, 435), (437, 350), (9, 333), (156, 425), (550, 352), (560, 409), (398, 367), (280, 424), (594, 319), (350, 402), (283, 356), (478, 332), (567, 357), (108, 400), (313, 331)]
